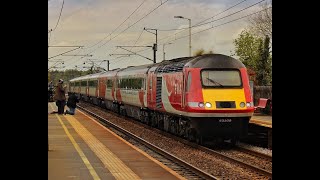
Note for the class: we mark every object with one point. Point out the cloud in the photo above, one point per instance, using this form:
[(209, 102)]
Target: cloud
[(87, 22)]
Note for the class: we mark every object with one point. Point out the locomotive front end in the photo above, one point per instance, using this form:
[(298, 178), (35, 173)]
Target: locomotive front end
[(218, 98)]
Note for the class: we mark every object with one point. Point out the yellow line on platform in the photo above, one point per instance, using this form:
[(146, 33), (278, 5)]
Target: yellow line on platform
[(77, 147), (137, 149), (261, 122), (118, 169)]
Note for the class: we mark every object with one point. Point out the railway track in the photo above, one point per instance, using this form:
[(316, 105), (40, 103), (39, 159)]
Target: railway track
[(255, 153), (224, 154), (228, 155)]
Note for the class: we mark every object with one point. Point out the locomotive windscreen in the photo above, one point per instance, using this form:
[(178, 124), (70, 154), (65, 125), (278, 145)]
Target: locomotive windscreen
[(221, 78)]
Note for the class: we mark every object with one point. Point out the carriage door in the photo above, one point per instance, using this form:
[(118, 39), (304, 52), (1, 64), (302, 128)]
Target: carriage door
[(97, 87), (158, 92), (149, 90), (87, 88), (187, 88), (114, 88)]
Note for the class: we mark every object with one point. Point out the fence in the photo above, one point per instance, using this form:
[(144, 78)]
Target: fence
[(261, 92)]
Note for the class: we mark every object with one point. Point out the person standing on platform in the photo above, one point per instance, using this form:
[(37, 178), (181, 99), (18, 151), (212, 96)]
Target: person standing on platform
[(60, 96), (72, 104)]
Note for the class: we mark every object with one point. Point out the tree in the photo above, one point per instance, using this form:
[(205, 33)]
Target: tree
[(261, 23), (264, 63), (246, 48), (255, 54), (253, 45), (54, 75)]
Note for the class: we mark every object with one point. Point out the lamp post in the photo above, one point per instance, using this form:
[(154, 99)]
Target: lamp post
[(181, 17), (164, 54), (108, 63), (155, 46)]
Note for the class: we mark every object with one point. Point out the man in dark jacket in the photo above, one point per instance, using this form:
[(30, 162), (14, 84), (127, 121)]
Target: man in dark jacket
[(60, 97), (72, 104)]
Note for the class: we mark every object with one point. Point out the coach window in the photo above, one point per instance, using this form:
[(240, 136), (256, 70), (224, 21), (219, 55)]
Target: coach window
[(83, 83), (130, 83), (119, 83), (189, 82), (123, 83), (127, 83), (91, 83), (140, 83), (109, 84), (133, 83)]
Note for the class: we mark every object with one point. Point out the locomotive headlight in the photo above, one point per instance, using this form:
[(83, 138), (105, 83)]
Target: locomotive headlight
[(242, 104), (248, 104), (201, 104), (208, 105)]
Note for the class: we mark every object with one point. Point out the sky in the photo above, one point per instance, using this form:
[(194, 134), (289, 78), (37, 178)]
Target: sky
[(96, 27)]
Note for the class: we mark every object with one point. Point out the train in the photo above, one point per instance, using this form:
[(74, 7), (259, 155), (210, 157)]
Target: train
[(200, 98)]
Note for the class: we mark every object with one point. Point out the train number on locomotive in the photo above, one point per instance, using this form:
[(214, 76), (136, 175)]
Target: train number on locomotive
[(225, 120)]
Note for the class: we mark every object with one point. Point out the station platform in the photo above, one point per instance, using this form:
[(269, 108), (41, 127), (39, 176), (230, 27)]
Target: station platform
[(262, 123), (81, 148), (261, 120)]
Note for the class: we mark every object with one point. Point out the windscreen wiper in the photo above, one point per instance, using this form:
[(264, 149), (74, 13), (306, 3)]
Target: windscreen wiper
[(215, 82)]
